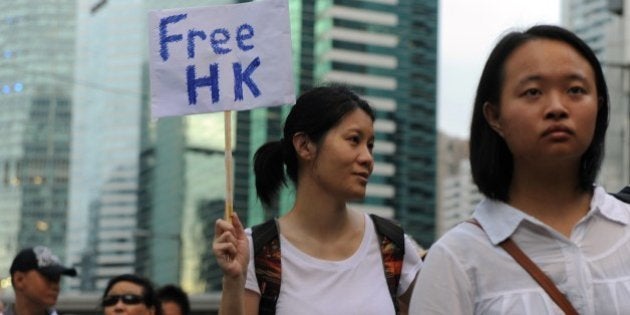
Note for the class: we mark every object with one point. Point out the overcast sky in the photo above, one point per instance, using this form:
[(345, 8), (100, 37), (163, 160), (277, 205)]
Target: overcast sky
[(468, 31)]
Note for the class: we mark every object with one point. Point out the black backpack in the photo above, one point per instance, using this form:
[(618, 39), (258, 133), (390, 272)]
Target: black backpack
[(267, 259)]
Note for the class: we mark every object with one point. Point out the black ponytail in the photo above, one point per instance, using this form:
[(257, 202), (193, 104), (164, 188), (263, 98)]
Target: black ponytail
[(269, 171)]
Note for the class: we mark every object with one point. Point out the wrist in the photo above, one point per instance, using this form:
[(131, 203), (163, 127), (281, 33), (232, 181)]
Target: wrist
[(233, 282)]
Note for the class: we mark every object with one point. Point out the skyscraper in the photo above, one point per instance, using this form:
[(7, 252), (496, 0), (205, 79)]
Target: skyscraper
[(605, 26), (107, 137), (386, 51), (132, 186), (36, 81)]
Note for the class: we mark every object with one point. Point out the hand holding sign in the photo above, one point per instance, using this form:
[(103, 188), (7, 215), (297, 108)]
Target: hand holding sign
[(220, 58)]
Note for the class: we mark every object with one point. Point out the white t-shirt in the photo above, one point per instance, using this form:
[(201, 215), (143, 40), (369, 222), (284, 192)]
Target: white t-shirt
[(355, 285), (466, 273)]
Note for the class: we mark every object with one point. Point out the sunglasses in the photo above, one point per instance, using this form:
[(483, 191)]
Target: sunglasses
[(129, 299)]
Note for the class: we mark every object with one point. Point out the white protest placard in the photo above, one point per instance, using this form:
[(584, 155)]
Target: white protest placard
[(220, 58)]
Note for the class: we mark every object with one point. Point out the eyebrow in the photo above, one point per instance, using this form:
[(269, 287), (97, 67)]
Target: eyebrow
[(538, 77)]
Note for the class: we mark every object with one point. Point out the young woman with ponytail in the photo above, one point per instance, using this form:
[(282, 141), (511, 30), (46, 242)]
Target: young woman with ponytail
[(331, 261)]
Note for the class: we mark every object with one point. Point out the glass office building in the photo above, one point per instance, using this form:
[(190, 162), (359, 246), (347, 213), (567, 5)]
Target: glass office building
[(36, 82), (134, 181)]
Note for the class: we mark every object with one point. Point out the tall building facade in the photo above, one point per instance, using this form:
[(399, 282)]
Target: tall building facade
[(605, 26), (36, 81), (137, 184), (106, 140), (386, 51), (458, 194)]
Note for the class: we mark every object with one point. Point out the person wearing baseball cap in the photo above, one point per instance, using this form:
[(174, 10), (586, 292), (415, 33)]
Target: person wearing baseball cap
[(35, 276)]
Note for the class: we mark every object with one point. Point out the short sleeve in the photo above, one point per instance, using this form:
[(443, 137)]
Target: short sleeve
[(252, 282), (412, 263)]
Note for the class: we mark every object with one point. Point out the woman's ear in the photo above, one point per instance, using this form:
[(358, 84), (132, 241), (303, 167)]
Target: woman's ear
[(491, 113), (304, 147)]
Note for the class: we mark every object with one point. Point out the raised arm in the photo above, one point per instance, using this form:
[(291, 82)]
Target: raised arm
[(231, 249)]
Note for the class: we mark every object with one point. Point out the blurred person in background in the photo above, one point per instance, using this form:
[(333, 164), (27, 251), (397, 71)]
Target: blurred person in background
[(35, 276), (130, 294), (174, 300)]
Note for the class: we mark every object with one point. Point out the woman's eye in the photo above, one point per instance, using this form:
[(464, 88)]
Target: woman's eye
[(577, 90), (531, 92)]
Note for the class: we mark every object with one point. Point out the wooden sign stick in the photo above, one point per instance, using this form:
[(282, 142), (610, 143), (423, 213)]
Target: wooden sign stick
[(229, 195)]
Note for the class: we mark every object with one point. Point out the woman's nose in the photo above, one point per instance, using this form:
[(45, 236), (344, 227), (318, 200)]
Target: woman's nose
[(556, 108)]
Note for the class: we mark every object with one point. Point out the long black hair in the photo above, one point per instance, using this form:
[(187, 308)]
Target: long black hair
[(491, 160)]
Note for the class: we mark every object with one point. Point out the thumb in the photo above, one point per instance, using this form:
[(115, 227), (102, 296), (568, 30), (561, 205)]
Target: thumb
[(238, 226)]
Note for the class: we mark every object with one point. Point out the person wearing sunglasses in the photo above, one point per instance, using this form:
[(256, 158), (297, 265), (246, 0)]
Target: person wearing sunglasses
[(130, 294)]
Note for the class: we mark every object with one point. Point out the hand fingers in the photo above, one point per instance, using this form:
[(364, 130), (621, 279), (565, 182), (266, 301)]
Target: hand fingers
[(238, 226), (220, 226)]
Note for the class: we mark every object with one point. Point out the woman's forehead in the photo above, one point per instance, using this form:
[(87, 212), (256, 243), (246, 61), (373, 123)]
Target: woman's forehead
[(542, 60)]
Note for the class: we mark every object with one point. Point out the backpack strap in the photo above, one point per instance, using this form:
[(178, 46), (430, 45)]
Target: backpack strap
[(392, 243), (267, 263), (623, 195), (267, 259), (543, 280)]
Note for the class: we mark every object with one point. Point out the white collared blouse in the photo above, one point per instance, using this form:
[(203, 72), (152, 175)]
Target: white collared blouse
[(467, 273)]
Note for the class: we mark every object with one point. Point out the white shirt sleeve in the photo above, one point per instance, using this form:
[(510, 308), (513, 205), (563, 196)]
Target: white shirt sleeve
[(412, 263)]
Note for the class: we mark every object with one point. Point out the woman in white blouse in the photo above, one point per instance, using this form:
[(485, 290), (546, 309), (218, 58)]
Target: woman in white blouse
[(536, 145)]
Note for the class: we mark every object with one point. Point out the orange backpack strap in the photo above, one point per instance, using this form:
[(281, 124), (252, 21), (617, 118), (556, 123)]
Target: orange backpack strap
[(267, 262), (541, 278), (392, 243)]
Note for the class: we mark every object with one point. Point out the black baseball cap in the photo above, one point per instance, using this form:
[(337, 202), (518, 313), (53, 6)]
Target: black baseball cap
[(40, 258)]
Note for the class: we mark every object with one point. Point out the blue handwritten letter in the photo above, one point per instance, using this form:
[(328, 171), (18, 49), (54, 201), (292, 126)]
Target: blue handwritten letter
[(243, 33), (241, 77), (191, 41), (164, 39), (216, 42), (193, 83)]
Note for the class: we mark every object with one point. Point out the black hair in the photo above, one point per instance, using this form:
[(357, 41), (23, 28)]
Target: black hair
[(314, 114), (173, 293), (491, 160), (148, 292)]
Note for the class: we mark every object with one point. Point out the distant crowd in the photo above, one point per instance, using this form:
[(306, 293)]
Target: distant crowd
[(36, 273)]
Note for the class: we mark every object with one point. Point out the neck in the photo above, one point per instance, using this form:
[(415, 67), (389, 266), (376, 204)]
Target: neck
[(319, 216), (22, 307), (552, 195), (320, 213)]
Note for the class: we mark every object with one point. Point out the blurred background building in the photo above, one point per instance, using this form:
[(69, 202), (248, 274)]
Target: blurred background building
[(605, 26), (87, 173), (139, 187), (36, 85)]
